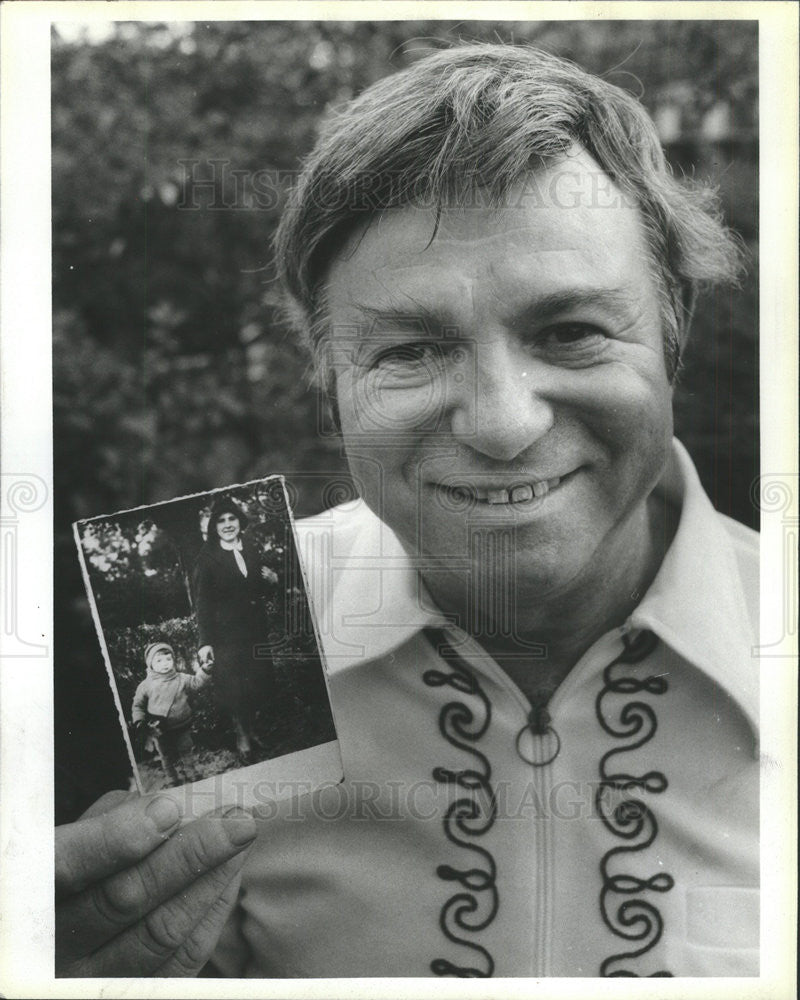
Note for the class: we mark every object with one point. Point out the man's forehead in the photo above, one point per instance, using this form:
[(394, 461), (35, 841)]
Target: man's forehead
[(414, 252), (511, 267)]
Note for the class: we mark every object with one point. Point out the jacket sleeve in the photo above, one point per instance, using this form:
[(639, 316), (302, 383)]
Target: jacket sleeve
[(197, 680), (204, 602), (139, 710)]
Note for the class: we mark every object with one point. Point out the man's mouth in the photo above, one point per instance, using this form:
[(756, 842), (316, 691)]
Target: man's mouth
[(520, 493), (497, 494)]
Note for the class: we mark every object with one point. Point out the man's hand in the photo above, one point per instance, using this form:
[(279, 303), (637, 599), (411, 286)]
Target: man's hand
[(136, 895), (206, 656)]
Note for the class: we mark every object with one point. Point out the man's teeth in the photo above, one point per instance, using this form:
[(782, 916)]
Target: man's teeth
[(497, 496), (520, 494)]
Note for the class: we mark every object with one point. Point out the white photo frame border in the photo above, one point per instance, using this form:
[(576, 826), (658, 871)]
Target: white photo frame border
[(26, 740)]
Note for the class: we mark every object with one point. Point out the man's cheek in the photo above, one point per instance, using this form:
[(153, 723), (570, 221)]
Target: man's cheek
[(626, 412), (641, 445)]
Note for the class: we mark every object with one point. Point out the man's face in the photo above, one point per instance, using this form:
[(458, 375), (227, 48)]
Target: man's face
[(507, 374)]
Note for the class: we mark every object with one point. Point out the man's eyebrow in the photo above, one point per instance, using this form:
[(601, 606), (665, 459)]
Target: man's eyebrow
[(411, 315), (544, 307), (540, 308)]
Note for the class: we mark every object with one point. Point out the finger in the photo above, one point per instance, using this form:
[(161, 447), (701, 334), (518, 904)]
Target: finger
[(107, 802), (90, 849), (151, 943), (88, 920), (196, 950)]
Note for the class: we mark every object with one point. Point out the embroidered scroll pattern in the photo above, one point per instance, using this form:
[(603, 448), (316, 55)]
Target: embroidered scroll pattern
[(473, 907), (635, 919)]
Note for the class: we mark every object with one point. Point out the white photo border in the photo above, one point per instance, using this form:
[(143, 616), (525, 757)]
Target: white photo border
[(26, 677)]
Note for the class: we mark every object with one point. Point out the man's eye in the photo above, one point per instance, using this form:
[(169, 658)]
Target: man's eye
[(570, 335), (412, 358)]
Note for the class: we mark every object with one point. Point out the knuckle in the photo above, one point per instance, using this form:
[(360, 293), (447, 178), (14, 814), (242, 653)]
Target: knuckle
[(152, 952), (187, 959), (166, 928), (203, 848), (194, 951), (121, 899)]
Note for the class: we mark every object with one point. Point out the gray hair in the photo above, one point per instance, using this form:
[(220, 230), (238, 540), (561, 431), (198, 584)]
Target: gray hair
[(480, 118)]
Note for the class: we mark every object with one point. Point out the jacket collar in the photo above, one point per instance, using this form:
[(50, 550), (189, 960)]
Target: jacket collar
[(697, 604), (368, 598), (230, 546)]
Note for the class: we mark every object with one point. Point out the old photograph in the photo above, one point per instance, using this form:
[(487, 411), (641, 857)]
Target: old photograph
[(205, 625)]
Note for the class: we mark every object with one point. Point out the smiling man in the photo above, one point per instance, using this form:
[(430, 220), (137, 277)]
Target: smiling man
[(537, 628), (552, 399)]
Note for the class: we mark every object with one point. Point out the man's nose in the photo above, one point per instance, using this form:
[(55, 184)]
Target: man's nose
[(502, 407)]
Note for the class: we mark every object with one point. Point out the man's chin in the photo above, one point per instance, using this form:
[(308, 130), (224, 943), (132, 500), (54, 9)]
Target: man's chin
[(501, 561)]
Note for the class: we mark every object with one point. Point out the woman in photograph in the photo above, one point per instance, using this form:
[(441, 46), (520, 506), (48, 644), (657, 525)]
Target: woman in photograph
[(228, 583)]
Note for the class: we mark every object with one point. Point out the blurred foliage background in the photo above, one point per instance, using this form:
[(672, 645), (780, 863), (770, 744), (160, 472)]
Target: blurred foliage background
[(172, 147)]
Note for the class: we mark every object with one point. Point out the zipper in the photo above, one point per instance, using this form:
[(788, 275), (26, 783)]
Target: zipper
[(541, 778), (540, 716)]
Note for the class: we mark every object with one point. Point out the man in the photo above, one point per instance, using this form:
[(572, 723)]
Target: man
[(538, 631)]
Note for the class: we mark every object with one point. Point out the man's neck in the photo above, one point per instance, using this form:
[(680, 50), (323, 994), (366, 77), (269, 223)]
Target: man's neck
[(552, 631)]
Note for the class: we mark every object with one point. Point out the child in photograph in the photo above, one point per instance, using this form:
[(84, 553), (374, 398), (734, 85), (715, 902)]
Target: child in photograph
[(162, 713)]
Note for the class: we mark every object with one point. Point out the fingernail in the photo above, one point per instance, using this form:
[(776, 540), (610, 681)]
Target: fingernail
[(239, 825), (163, 812)]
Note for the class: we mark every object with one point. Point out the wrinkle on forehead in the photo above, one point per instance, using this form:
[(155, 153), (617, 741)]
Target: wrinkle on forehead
[(402, 262), (403, 250), (505, 280), (536, 203)]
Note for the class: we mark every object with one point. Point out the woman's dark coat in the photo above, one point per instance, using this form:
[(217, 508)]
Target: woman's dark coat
[(230, 617)]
